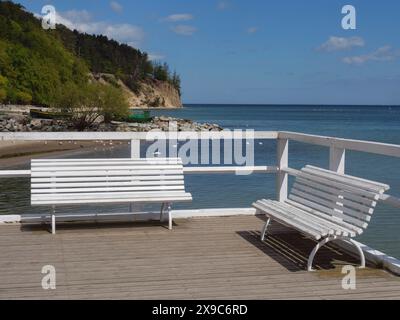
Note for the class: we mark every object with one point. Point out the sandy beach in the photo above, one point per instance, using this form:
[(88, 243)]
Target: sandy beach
[(20, 152)]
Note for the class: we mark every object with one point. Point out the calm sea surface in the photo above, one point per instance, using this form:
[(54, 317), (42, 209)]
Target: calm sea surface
[(218, 191)]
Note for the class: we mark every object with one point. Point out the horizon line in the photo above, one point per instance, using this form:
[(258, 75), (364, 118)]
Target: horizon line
[(292, 104)]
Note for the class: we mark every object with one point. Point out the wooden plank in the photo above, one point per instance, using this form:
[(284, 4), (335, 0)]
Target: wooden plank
[(142, 179), (142, 199), (338, 197), (203, 258), (303, 217), (289, 221), (332, 190), (14, 173), (362, 183), (320, 219), (108, 173), (103, 168), (340, 222), (130, 183), (333, 213), (340, 185), (333, 205), (111, 190)]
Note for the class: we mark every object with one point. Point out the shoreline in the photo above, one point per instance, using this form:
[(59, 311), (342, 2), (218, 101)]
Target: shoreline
[(20, 153)]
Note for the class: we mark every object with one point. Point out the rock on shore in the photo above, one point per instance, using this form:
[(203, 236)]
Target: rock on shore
[(23, 123)]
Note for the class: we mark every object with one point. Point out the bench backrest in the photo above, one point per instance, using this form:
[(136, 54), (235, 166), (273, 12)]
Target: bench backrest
[(67, 177), (340, 197)]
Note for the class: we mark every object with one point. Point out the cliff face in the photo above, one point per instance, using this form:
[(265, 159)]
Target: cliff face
[(154, 94), (150, 93)]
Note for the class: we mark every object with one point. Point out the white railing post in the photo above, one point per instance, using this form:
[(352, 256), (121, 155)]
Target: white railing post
[(135, 154), (282, 163), (135, 149), (337, 159)]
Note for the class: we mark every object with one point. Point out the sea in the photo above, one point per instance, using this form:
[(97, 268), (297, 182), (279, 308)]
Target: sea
[(372, 123)]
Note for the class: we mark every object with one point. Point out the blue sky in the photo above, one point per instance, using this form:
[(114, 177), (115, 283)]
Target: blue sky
[(257, 51)]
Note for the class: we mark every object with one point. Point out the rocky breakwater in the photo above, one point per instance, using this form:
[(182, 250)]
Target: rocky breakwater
[(166, 124), (23, 123)]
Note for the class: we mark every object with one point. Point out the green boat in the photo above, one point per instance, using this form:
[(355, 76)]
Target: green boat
[(140, 116), (39, 114)]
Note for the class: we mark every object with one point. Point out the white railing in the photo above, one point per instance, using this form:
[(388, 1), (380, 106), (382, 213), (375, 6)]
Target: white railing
[(337, 146)]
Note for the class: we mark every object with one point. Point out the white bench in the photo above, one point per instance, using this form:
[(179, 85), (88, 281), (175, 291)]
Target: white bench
[(325, 206), (107, 181)]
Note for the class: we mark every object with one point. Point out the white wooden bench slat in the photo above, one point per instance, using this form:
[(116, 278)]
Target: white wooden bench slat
[(141, 179), (338, 229), (108, 160), (107, 189), (90, 195), (326, 206), (97, 164), (333, 190), (329, 211), (154, 199), (103, 173), (93, 181), (333, 205), (289, 221), (110, 184), (339, 218), (376, 186), (305, 218), (340, 185), (335, 220), (143, 167), (333, 197)]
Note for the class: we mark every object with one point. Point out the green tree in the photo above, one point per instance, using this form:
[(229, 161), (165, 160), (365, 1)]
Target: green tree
[(113, 103), (160, 71), (176, 82), (79, 104), (3, 88), (85, 105)]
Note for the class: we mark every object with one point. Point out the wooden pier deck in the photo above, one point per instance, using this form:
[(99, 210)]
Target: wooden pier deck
[(202, 258)]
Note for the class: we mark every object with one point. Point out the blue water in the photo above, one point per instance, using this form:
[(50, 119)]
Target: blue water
[(218, 191)]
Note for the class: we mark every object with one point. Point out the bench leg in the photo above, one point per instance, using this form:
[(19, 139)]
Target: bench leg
[(332, 238), (53, 224), (53, 221), (162, 211), (315, 250), (264, 230), (360, 252), (169, 217)]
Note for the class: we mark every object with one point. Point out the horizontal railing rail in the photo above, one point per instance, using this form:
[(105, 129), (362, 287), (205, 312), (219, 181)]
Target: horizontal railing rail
[(392, 150), (337, 146), (121, 136)]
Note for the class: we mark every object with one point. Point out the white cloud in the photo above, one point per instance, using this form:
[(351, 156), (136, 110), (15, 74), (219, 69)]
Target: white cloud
[(339, 43), (156, 57), (383, 54), (178, 17), (223, 5), (76, 16), (252, 30), (83, 22), (116, 7), (184, 30)]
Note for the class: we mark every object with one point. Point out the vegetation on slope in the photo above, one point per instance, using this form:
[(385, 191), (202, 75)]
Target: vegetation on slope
[(37, 65)]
